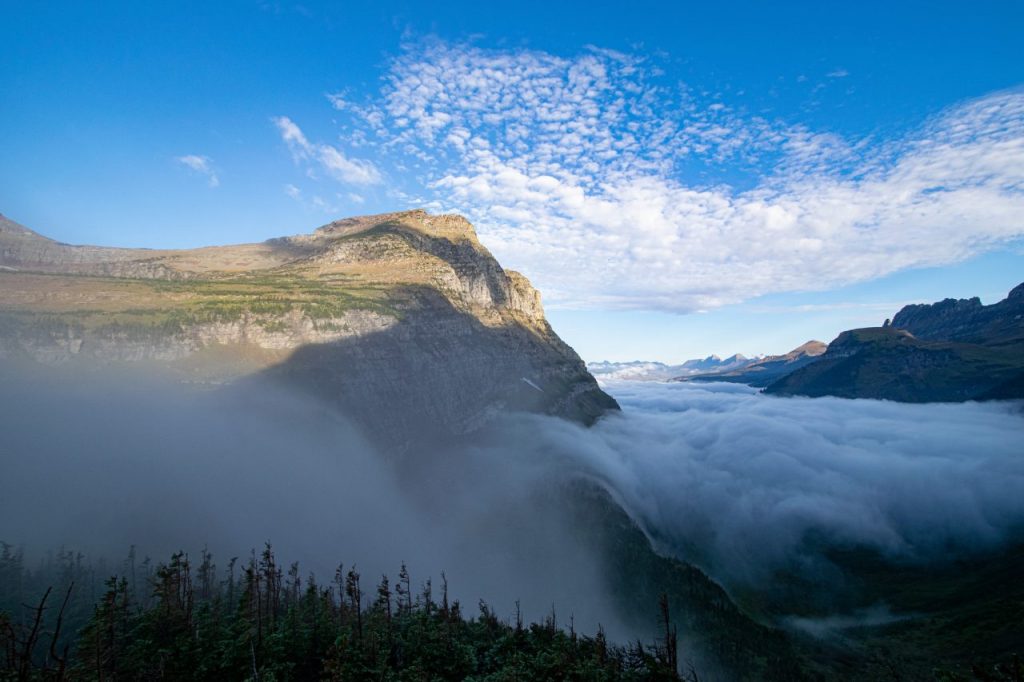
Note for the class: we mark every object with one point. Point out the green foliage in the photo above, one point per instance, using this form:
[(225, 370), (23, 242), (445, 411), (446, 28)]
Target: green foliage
[(265, 623), (165, 307)]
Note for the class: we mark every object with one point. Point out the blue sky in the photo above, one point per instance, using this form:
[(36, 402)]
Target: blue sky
[(677, 181)]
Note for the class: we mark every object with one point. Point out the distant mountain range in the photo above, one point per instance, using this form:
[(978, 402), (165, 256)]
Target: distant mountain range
[(953, 350), (759, 370), (764, 371), (640, 370)]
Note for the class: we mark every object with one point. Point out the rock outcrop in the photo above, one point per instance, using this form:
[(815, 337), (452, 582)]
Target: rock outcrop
[(404, 320), (953, 350), (966, 320)]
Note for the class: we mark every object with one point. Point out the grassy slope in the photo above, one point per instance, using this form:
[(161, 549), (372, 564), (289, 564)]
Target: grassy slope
[(161, 306)]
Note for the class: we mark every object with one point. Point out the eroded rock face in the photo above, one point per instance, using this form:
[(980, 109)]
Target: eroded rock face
[(55, 344), (400, 319), (966, 319)]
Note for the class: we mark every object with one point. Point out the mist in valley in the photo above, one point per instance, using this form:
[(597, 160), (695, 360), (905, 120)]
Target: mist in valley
[(746, 485), (741, 484), (98, 464)]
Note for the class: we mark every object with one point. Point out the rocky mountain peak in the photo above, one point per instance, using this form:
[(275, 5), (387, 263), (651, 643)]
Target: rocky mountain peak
[(9, 228), (403, 319), (965, 319), (811, 348), (448, 226)]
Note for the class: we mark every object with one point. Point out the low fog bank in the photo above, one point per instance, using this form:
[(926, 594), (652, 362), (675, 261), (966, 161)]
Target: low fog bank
[(97, 465), (741, 484), (744, 484)]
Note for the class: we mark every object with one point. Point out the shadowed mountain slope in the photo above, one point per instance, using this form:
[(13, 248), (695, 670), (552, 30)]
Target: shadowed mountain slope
[(395, 317), (953, 350), (966, 320)]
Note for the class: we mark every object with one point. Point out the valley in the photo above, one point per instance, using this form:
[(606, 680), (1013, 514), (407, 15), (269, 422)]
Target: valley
[(429, 389)]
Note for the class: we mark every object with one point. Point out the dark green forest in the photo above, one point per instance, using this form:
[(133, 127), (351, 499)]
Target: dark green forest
[(257, 620), (66, 618)]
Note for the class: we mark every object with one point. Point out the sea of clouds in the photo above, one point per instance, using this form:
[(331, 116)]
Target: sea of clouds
[(739, 483), (745, 484)]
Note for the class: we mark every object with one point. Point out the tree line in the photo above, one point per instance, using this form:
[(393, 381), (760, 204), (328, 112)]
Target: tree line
[(263, 621)]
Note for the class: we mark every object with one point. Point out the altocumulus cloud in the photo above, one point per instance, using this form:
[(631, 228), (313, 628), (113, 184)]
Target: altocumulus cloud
[(573, 170), (327, 158)]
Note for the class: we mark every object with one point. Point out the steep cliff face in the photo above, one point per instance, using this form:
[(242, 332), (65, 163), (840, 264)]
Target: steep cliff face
[(966, 320), (403, 319)]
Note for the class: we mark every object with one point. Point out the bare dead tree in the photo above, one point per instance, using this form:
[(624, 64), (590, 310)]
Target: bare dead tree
[(25, 664), (61, 661), (671, 641)]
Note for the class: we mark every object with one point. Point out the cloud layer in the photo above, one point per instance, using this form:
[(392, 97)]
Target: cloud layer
[(590, 173), (738, 483), (115, 461), (745, 484)]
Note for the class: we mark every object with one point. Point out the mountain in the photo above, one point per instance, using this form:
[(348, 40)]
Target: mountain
[(403, 320), (715, 363), (763, 371), (953, 350), (966, 320), (639, 370)]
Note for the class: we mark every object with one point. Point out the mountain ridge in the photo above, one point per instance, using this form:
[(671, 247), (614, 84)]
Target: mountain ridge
[(395, 298), (642, 370), (952, 350), (764, 370)]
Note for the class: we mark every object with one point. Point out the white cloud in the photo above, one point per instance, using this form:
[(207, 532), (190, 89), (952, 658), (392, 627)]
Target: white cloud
[(344, 169), (202, 165), (293, 136), (838, 73), (580, 172), (330, 205), (315, 202), (743, 479), (328, 158), (337, 101)]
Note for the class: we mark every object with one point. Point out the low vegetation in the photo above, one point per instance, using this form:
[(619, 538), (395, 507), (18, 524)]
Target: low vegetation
[(145, 306)]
